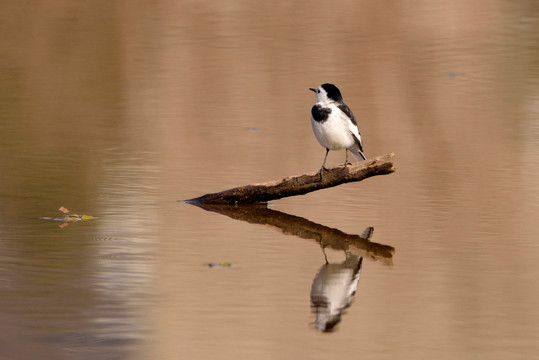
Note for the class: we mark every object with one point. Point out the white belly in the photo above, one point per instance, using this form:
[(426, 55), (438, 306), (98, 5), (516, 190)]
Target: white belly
[(333, 135)]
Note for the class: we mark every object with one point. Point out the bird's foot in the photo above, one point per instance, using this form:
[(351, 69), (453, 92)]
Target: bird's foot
[(321, 171)]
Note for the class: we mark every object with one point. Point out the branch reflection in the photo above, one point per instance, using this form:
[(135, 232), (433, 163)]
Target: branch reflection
[(335, 285)]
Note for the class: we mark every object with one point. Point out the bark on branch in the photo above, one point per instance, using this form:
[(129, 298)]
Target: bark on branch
[(301, 184)]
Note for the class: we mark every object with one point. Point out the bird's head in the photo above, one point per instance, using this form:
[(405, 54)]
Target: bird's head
[(327, 92)]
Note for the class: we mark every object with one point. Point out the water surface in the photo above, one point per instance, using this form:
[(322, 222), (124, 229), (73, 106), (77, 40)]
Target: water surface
[(118, 111)]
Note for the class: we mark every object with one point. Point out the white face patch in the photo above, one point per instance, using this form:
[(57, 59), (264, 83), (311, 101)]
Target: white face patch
[(321, 94)]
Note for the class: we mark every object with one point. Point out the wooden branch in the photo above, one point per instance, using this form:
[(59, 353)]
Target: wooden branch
[(301, 184), (288, 224)]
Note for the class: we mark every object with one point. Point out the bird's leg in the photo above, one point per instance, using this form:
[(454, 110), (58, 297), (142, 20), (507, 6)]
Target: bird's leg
[(323, 168), (325, 158), (325, 256), (346, 163)]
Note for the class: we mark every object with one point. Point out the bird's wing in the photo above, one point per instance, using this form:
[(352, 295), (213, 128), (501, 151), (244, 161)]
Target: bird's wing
[(355, 279), (350, 121), (352, 127), (357, 139), (345, 109)]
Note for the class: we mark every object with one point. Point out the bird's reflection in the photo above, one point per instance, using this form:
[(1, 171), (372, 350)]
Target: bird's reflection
[(335, 284), (334, 288)]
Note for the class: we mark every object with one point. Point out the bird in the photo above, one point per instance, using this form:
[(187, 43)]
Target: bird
[(333, 290), (334, 287), (334, 124)]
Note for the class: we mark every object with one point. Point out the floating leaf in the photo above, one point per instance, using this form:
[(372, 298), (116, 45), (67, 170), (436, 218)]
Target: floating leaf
[(68, 218), (219, 264), (87, 217)]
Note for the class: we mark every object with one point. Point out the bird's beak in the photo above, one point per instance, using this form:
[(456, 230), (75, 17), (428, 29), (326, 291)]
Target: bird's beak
[(312, 89)]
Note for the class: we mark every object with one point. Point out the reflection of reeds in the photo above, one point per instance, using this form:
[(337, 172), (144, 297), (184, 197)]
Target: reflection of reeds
[(303, 228)]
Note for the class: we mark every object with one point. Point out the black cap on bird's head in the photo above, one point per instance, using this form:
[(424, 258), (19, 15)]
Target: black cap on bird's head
[(333, 92), (328, 91)]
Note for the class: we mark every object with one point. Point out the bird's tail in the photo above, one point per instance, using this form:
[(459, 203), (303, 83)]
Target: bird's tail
[(367, 233), (357, 153)]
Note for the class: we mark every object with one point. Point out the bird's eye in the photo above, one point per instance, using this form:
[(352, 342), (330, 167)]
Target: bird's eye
[(317, 91)]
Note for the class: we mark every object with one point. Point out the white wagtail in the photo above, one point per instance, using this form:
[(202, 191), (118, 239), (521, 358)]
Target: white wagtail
[(334, 124), (335, 287)]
